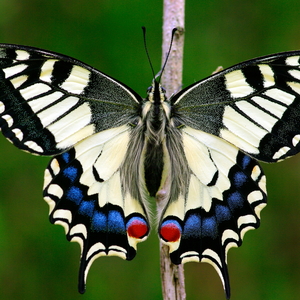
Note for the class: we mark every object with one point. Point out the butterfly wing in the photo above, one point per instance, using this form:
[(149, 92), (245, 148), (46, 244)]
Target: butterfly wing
[(49, 102), (225, 122), (52, 104), (223, 198), (253, 105), (88, 194)]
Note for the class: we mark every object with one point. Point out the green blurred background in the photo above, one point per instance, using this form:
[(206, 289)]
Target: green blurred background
[(36, 261)]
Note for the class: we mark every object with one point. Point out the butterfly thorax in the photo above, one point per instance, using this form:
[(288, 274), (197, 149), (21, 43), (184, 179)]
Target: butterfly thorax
[(154, 114)]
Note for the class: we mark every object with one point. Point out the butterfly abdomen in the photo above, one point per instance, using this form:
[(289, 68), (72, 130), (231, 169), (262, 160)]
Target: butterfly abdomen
[(153, 166)]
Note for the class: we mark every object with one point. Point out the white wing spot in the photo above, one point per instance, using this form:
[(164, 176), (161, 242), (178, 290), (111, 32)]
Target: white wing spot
[(296, 140), (2, 107), (77, 239), (267, 74), (255, 196), (246, 220), (34, 146), (92, 253), (274, 108), (95, 248), (22, 55), (229, 234), (9, 120), (117, 250), (16, 69), (212, 254), (34, 90), (236, 84), (46, 70), (258, 209), (18, 134), (47, 179), (279, 95), (79, 229), (241, 132), (212, 257), (262, 184), (257, 115), (76, 137), (71, 123), (64, 224), (49, 115), (292, 61), (51, 204), (56, 190), (230, 245), (245, 229), (77, 80), (295, 73), (255, 173), (189, 256), (295, 86), (63, 214), (18, 81), (281, 152), (41, 102), (55, 166)]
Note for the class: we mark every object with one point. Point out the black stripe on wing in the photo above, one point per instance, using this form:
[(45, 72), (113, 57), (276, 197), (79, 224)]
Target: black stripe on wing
[(254, 105), (100, 230), (49, 102), (208, 235)]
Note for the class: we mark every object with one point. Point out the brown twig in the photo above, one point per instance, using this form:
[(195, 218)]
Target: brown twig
[(172, 276)]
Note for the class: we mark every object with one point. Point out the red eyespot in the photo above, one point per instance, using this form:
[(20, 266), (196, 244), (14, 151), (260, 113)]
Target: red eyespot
[(170, 231), (137, 228)]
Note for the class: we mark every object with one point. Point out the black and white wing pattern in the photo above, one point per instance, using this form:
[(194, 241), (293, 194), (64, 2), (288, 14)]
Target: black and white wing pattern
[(247, 112), (50, 103), (196, 152)]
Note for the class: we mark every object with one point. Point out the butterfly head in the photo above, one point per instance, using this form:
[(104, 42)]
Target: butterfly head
[(156, 93)]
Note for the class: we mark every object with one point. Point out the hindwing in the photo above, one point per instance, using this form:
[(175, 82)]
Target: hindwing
[(88, 195), (225, 192)]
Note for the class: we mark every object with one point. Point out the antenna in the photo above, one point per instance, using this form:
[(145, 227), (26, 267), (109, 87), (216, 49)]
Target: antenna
[(168, 54), (146, 48)]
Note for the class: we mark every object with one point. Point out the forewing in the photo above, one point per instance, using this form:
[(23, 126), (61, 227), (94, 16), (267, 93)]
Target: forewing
[(49, 102), (254, 105), (88, 195), (224, 194)]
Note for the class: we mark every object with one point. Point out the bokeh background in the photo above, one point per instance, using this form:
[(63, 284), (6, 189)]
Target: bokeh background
[(36, 261)]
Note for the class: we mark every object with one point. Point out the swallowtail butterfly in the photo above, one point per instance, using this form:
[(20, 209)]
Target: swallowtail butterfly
[(197, 151)]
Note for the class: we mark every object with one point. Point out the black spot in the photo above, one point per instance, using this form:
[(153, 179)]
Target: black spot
[(96, 175)]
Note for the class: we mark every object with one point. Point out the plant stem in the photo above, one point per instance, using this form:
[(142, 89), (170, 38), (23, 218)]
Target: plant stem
[(172, 276)]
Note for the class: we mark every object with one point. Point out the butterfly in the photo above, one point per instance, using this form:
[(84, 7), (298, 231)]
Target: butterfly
[(196, 151)]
